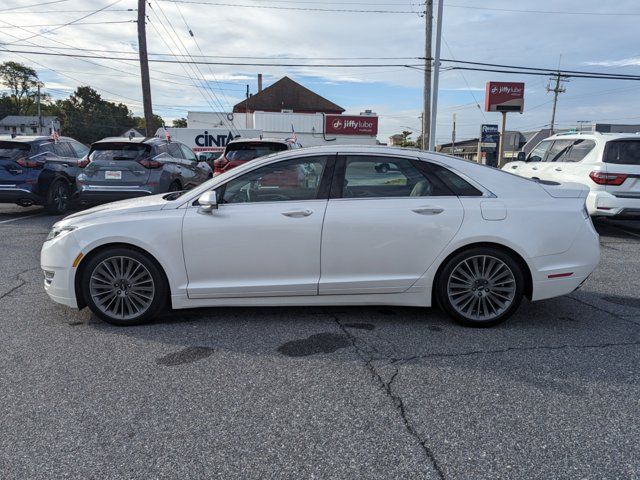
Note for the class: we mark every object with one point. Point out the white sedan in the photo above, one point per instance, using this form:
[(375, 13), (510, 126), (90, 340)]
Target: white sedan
[(339, 225)]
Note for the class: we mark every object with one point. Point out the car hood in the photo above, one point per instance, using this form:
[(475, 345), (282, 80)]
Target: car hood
[(133, 205)]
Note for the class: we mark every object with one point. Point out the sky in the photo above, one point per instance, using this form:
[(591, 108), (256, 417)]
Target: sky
[(577, 35)]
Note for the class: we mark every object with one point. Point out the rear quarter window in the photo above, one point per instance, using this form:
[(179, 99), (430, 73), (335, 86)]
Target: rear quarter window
[(458, 185), (622, 152)]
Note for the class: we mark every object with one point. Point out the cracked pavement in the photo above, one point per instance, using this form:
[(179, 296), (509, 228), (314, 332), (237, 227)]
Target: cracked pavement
[(340, 392)]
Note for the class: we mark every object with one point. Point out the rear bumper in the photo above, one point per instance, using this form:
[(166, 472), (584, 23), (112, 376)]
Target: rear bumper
[(103, 194), (578, 261), (17, 193), (604, 204)]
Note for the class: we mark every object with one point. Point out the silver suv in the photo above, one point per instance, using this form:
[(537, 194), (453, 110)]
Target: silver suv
[(118, 168)]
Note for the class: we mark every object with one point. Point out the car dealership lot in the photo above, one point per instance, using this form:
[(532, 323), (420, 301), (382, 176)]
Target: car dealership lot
[(341, 392)]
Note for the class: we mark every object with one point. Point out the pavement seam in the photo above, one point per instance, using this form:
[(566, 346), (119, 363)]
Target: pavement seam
[(387, 387)]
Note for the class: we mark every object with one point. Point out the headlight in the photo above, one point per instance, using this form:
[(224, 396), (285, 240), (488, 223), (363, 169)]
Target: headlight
[(58, 232)]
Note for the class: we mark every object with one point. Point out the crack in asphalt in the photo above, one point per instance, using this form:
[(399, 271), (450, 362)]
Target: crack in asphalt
[(402, 361), (614, 315), (387, 386), (18, 278)]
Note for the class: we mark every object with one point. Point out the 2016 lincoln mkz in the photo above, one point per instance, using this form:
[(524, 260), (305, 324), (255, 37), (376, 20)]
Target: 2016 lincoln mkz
[(340, 225)]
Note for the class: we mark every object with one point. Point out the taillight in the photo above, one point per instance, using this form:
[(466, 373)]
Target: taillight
[(28, 163), (602, 178), (219, 164), (84, 161), (148, 163)]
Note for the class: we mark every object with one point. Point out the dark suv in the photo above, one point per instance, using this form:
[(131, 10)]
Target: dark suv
[(118, 168), (243, 150), (39, 171)]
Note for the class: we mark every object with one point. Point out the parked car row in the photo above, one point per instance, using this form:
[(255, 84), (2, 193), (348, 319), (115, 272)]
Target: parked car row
[(607, 163), (56, 172)]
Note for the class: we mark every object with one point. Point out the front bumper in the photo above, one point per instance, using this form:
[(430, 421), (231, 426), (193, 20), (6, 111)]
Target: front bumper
[(56, 258), (603, 204)]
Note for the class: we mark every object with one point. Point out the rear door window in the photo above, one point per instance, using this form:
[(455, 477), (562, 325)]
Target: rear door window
[(384, 177), (174, 150), (188, 153), (622, 152), (579, 149)]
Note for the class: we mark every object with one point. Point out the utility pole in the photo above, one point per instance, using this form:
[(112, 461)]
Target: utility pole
[(144, 69), (557, 89), (436, 78), (426, 108), (39, 111), (453, 135)]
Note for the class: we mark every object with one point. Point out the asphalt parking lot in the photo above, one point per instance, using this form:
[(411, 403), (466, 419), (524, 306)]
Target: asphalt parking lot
[(320, 392)]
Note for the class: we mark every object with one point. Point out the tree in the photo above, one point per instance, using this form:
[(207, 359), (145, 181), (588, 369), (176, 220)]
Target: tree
[(141, 124), (180, 123), (86, 117), (22, 82)]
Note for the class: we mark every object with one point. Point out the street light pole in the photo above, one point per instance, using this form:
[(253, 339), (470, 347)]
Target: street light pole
[(426, 107)]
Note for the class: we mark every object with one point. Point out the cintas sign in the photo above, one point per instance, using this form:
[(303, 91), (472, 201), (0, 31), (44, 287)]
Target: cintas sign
[(351, 125), (504, 97)]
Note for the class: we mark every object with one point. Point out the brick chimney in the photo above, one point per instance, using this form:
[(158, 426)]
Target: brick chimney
[(259, 82)]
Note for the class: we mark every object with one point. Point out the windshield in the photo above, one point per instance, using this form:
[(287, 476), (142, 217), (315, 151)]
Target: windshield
[(624, 152), (244, 151), (118, 151), (13, 150)]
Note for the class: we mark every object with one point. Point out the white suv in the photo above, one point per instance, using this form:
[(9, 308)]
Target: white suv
[(608, 163)]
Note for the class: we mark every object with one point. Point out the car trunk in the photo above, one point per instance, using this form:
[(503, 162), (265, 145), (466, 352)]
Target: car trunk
[(12, 173), (564, 190), (622, 159), (117, 164)]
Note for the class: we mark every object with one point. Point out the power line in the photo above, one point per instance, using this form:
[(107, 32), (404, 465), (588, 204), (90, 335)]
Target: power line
[(305, 9), (11, 9), (549, 12), (66, 24), (83, 23), (71, 11)]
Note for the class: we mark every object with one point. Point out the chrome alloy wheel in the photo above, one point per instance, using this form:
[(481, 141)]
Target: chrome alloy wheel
[(481, 287), (122, 287)]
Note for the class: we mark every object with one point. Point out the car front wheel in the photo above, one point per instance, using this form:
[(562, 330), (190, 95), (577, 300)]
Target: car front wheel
[(124, 287), (480, 287)]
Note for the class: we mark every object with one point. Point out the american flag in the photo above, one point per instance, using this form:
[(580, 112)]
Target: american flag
[(294, 137), (55, 136), (166, 133)]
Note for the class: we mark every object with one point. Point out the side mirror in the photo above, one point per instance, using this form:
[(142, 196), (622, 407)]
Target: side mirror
[(202, 157), (208, 201), (522, 157)]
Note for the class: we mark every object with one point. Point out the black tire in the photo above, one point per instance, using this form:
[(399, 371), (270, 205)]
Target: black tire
[(57, 200), (175, 186), (445, 291), (159, 297)]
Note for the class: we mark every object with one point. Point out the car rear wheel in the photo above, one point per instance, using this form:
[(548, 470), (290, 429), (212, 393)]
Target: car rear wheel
[(57, 198), (124, 287), (480, 287)]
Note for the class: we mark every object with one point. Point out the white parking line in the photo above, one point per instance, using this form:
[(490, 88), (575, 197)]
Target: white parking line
[(19, 218), (625, 231)]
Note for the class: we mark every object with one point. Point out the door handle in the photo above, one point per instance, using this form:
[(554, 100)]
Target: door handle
[(298, 213), (558, 169), (513, 167), (534, 168), (428, 210)]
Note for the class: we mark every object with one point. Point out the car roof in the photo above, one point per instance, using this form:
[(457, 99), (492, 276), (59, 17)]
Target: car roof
[(264, 139), (30, 139), (146, 140), (603, 137)]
